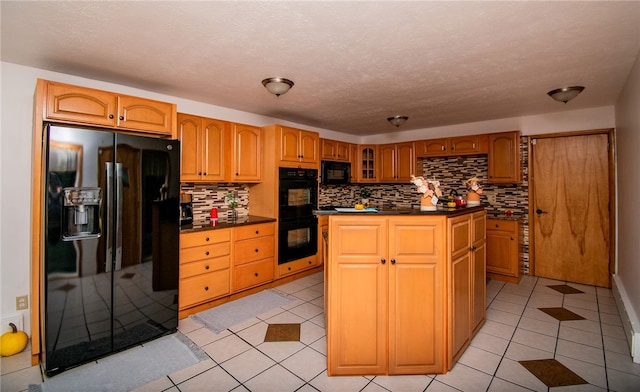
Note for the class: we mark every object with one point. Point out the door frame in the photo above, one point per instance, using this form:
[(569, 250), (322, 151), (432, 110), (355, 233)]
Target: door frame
[(613, 238)]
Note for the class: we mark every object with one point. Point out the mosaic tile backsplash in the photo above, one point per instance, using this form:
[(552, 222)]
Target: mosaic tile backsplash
[(207, 196), (452, 172)]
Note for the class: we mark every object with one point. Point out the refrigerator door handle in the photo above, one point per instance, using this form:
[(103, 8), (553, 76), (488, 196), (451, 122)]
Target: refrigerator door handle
[(119, 201), (108, 261)]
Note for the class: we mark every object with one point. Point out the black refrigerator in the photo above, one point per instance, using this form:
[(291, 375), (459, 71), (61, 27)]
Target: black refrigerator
[(111, 243)]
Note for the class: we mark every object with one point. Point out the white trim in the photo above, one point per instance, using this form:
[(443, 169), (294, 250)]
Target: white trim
[(629, 318)]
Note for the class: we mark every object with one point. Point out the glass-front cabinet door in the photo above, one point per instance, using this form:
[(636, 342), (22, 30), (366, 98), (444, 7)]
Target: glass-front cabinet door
[(367, 162)]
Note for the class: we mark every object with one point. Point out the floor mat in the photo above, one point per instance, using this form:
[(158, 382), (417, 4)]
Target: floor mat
[(552, 373), (127, 370), (282, 333), (224, 316)]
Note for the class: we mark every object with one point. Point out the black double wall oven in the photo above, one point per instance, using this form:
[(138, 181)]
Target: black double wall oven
[(297, 226)]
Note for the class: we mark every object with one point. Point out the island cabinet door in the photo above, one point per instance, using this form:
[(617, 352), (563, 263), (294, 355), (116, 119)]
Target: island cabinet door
[(417, 301), (357, 290)]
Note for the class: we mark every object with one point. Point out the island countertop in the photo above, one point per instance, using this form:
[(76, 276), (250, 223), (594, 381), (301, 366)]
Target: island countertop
[(403, 211)]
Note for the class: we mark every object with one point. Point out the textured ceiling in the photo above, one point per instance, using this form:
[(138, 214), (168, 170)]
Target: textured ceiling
[(353, 63)]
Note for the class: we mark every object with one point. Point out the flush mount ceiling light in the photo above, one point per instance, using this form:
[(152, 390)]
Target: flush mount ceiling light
[(397, 120), (565, 94), (277, 86)]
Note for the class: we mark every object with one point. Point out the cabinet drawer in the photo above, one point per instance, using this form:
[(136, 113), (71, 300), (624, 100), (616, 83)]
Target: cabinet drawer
[(203, 288), (204, 237), (204, 252), (254, 231), (502, 225), (295, 266), (255, 249), (204, 266), (253, 274)]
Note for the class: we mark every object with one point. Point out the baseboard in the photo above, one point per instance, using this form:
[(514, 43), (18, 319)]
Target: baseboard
[(630, 321)]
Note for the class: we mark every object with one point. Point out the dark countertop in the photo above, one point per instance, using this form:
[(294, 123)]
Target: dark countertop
[(405, 211), (224, 223)]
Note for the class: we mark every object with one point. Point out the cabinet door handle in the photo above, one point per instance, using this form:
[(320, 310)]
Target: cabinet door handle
[(121, 118), (207, 239), (393, 261), (511, 238), (257, 231), (111, 117), (256, 274), (206, 253), (256, 250), (206, 288), (539, 211), (206, 267), (383, 261)]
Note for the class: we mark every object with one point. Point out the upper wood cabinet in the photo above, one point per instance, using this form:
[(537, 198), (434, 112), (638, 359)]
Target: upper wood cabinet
[(246, 159), (459, 145), (218, 151), (397, 162), (367, 163), (504, 158), (204, 145), (80, 105), (432, 147), (298, 146), (334, 150)]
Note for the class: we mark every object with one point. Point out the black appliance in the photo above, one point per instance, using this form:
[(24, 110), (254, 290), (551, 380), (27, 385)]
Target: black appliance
[(297, 226), (111, 243), (186, 209), (335, 172)]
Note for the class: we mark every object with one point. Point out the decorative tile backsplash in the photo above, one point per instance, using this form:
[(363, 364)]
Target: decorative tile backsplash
[(207, 196), (452, 172)]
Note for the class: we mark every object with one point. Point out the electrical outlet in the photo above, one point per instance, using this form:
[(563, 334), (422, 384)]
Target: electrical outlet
[(491, 198), (22, 302)]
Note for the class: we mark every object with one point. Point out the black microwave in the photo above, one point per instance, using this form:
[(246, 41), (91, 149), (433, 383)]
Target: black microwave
[(335, 172)]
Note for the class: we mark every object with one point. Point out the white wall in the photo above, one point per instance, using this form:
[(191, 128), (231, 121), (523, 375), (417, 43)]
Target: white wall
[(628, 157), (18, 85)]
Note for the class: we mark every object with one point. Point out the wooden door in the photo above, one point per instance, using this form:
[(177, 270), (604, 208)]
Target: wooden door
[(570, 201), (367, 163), (417, 251), (433, 147), (460, 287), (145, 115), (405, 162), (357, 316), (309, 148), (215, 150), (329, 149), (246, 160), (504, 158), (289, 145), (189, 133), (81, 105), (387, 153)]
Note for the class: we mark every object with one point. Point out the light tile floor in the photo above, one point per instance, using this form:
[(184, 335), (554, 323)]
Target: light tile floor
[(515, 330)]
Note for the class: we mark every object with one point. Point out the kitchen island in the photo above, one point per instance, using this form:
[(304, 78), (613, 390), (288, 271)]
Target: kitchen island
[(405, 290)]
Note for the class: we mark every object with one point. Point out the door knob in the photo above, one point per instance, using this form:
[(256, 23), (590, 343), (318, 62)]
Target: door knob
[(539, 211)]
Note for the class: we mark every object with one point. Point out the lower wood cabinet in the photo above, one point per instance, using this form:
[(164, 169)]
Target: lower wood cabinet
[(386, 295), (253, 255), (205, 260), (466, 283), (503, 259), (405, 294)]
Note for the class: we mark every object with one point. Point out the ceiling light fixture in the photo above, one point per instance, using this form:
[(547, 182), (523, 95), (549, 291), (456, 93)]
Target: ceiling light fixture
[(397, 120), (565, 94), (277, 86)]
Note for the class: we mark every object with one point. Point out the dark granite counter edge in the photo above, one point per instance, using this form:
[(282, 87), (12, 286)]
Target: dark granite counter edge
[(410, 212), (225, 224)]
